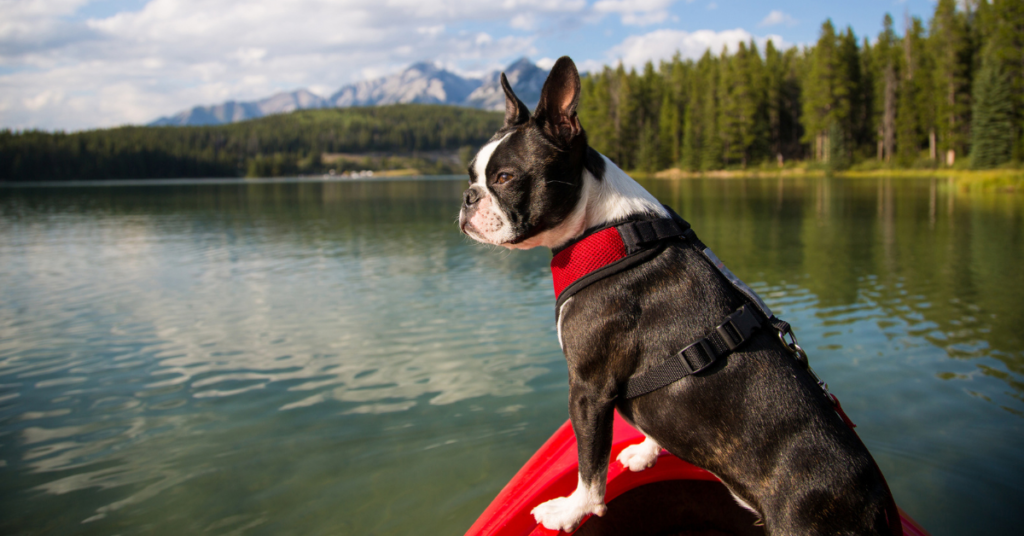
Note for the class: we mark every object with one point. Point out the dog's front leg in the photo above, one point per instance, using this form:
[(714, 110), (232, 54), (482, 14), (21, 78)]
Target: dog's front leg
[(591, 411)]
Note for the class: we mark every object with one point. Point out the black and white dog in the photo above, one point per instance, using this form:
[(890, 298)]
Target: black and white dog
[(754, 418)]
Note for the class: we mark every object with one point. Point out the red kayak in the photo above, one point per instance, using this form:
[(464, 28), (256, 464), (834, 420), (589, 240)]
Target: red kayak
[(673, 497)]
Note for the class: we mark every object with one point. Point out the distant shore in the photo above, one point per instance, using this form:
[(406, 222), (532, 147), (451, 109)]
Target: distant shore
[(1007, 179)]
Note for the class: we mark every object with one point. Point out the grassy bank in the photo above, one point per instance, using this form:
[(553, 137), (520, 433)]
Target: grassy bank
[(1006, 179)]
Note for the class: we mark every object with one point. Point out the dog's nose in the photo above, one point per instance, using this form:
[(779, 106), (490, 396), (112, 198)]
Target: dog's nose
[(470, 197)]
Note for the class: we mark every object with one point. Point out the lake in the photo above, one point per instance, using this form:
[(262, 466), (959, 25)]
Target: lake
[(308, 357)]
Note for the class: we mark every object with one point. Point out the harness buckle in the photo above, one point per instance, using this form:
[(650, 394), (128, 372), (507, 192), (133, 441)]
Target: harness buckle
[(737, 327), (697, 356)]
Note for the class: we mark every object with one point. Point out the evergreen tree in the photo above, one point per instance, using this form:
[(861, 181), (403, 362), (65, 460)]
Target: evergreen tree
[(669, 131), (623, 114), (783, 103), (707, 115), (914, 111), (992, 132), (595, 111), (951, 50), (648, 99), (851, 105), (886, 61), (691, 147), (820, 99), (1007, 42), (731, 121)]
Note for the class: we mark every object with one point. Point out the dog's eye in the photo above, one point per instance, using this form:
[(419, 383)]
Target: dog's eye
[(503, 178)]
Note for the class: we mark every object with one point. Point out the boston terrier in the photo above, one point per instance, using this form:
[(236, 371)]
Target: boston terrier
[(753, 416)]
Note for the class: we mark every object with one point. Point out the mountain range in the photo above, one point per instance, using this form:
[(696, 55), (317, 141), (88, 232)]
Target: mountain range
[(423, 83)]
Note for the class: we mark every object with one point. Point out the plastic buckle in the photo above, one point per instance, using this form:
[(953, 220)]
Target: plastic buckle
[(706, 351), (731, 335), (737, 327)]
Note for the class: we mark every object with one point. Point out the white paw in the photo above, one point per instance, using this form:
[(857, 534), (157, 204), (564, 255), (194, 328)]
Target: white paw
[(640, 456), (566, 513)]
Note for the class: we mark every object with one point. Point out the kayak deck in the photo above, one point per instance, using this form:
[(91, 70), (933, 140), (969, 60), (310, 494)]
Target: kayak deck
[(673, 497)]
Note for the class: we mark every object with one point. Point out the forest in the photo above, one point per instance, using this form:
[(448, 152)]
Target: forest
[(947, 92), (427, 137)]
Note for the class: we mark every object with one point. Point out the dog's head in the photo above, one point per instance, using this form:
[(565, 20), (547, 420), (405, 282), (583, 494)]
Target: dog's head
[(525, 183)]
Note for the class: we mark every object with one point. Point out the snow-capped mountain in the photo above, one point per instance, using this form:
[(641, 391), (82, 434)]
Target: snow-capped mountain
[(525, 78), (232, 112), (419, 83), (422, 83)]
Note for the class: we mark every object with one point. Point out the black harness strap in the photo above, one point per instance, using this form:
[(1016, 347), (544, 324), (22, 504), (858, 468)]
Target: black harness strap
[(737, 328), (637, 235)]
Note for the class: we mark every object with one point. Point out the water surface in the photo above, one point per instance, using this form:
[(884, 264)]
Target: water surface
[(334, 358)]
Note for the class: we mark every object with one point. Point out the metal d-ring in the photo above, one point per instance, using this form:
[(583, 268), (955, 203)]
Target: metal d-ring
[(801, 357), (799, 354)]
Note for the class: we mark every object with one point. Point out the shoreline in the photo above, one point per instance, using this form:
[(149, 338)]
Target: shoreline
[(1005, 180)]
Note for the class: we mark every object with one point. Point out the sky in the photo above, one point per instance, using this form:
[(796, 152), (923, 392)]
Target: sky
[(83, 64)]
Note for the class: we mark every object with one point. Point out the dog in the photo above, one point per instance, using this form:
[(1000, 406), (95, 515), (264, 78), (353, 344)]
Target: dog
[(753, 417)]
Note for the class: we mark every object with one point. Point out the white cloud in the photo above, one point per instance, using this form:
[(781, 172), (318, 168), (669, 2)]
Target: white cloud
[(546, 63), (56, 69), (524, 21), (777, 17), (661, 45), (636, 12)]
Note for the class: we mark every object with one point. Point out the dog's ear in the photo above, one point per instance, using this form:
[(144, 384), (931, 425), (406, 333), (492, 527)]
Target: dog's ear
[(556, 110), (516, 113)]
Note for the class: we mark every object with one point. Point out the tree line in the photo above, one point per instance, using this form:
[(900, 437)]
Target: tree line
[(949, 93), (277, 145)]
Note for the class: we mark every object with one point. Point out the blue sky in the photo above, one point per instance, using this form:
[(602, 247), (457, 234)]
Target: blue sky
[(79, 64)]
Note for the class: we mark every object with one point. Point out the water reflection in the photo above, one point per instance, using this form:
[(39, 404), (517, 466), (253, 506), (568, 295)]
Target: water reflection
[(318, 357), (953, 276)]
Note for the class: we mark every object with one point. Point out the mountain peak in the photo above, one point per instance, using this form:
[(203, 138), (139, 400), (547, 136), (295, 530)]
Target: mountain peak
[(525, 78), (520, 64), (422, 82)]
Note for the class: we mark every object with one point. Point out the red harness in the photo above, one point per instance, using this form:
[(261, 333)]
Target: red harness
[(608, 250), (585, 256)]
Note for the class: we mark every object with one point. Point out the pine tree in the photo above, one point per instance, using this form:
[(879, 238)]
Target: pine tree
[(948, 38), (886, 83), (783, 103), (914, 110), (819, 104), (593, 110), (647, 111), (992, 132), (676, 87), (852, 109), (774, 73), (1008, 51), (730, 111), (669, 131), (706, 113), (691, 147), (622, 114)]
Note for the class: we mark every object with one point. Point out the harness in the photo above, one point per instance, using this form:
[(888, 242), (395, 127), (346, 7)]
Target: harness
[(619, 246)]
